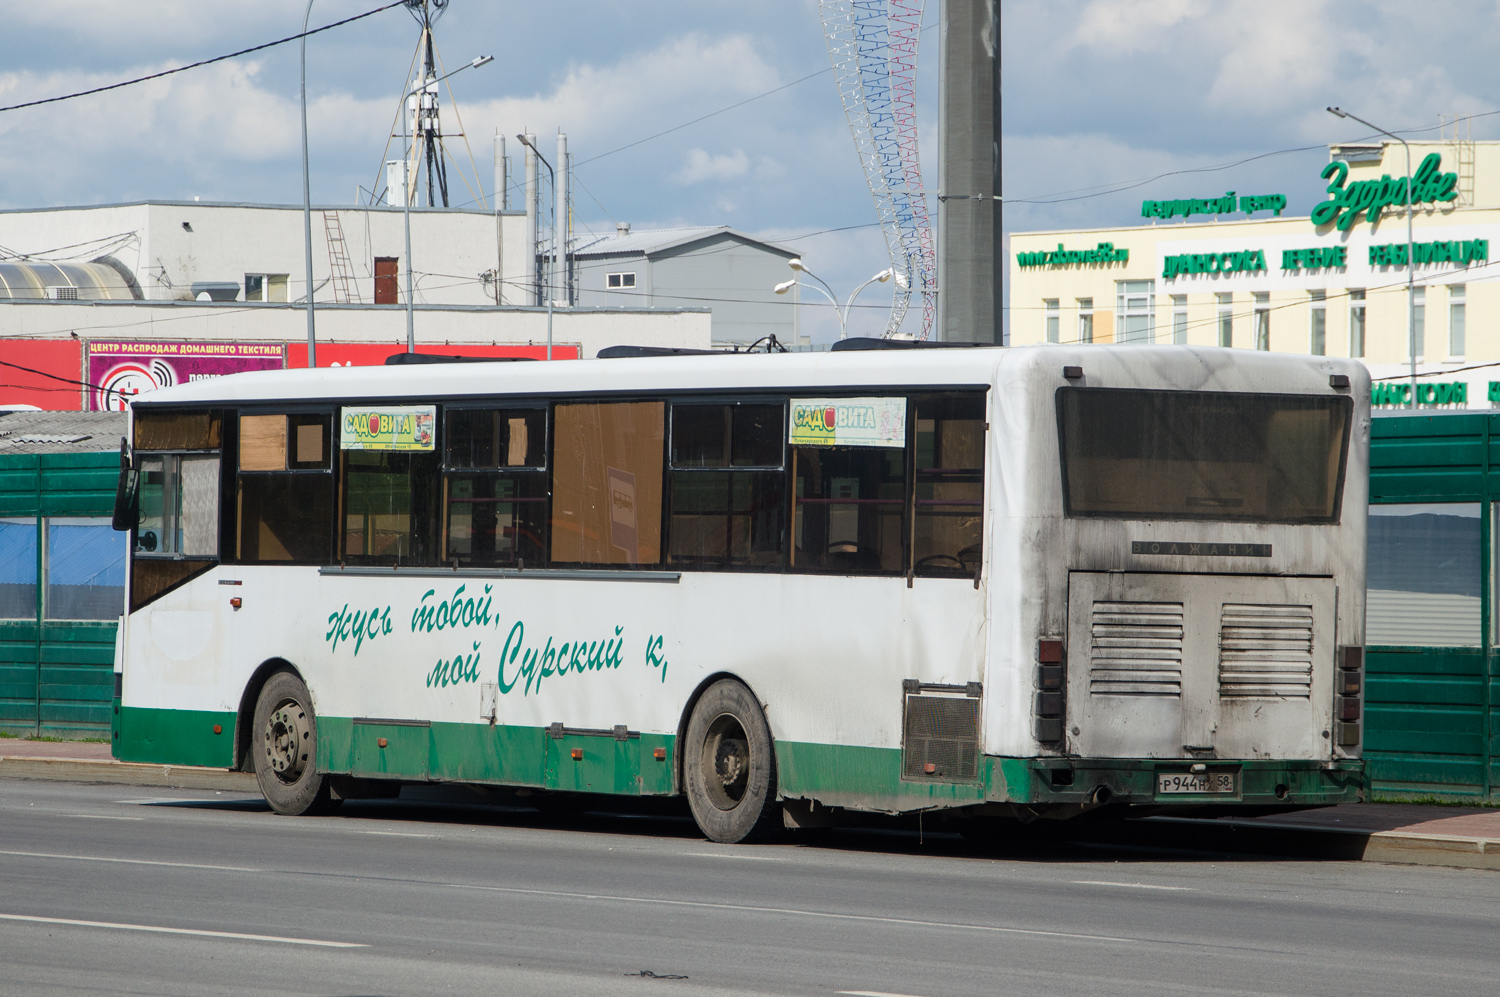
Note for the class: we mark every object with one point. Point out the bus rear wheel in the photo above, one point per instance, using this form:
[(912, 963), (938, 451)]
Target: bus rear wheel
[(285, 745), (729, 766)]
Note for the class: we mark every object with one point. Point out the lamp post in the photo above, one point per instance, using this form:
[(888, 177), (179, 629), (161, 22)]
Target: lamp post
[(312, 340), (556, 249), (411, 332), (843, 313), (1411, 259)]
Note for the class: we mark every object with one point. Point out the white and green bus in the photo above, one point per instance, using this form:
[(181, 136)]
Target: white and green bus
[(1023, 583)]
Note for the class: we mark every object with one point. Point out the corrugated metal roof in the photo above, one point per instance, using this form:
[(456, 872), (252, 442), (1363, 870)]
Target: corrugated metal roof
[(649, 241), (60, 432)]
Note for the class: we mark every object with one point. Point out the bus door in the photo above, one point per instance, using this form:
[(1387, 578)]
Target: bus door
[(1199, 666)]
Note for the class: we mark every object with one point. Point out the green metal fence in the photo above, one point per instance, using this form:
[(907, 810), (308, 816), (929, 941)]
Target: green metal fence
[(56, 674), (1430, 707)]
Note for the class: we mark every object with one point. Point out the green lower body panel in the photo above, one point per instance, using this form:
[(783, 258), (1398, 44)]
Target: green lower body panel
[(642, 764), (499, 755), (174, 737)]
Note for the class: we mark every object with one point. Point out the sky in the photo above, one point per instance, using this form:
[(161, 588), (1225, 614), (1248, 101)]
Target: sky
[(1096, 96)]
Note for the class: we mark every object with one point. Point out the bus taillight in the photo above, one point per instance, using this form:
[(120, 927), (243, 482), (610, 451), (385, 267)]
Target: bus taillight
[(1049, 690), (1348, 684)]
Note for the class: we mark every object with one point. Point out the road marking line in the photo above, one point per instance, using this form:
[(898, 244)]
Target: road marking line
[(872, 993), (401, 834), (99, 858), (1133, 886), (740, 858), (183, 931), (101, 817), (702, 905)]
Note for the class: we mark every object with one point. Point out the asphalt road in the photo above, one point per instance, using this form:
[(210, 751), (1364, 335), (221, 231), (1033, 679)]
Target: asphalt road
[(114, 890)]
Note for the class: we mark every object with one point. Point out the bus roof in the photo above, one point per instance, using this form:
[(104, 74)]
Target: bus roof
[(1187, 367)]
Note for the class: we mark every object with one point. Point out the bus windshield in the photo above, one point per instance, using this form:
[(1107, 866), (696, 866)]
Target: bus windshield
[(1211, 455)]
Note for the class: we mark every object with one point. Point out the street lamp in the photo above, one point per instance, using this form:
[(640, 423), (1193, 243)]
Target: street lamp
[(312, 342), (843, 313), (406, 194), (557, 251), (1411, 260)]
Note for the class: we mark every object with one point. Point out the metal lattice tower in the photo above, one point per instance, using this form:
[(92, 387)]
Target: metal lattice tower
[(872, 45)]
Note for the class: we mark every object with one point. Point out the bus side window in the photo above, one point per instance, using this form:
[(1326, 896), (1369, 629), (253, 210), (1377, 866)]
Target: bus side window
[(495, 487), (846, 511), (607, 463), (284, 488), (949, 452), (176, 531), (727, 486)]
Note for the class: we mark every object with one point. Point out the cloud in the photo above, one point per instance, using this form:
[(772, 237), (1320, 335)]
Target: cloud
[(1122, 26), (701, 166)]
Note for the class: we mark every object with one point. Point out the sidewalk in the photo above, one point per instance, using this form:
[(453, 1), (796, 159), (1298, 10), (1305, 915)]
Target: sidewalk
[(90, 761)]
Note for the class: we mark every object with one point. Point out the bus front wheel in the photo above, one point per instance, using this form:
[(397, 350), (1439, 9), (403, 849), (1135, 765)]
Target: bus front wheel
[(729, 766), (285, 745)]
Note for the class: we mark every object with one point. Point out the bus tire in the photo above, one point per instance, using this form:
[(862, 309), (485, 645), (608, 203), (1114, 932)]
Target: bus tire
[(284, 741), (729, 766)]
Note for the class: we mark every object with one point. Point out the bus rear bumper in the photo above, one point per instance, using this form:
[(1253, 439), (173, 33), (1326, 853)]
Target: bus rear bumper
[(1171, 783)]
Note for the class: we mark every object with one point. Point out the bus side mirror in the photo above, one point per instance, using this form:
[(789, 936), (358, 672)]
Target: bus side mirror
[(127, 499)]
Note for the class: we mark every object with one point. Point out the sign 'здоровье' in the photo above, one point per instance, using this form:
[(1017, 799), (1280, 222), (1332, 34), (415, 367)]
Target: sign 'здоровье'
[(1374, 196)]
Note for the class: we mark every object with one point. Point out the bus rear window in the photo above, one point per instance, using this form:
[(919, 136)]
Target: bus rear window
[(1213, 455)]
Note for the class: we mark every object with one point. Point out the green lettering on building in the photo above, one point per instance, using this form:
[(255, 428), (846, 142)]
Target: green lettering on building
[(1105, 252), (1233, 262), (1398, 393), (1226, 205), (1463, 252), (1342, 209), (1318, 258)]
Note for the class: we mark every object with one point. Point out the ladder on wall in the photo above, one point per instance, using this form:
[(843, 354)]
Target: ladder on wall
[(341, 272), (1462, 140)]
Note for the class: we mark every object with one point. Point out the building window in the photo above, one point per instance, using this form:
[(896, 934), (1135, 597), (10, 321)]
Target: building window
[(1085, 320), (1053, 319), (86, 568), (1179, 319), (1423, 575), (18, 569), (1135, 311), (265, 286), (1419, 322), (1262, 320), (1226, 319), (1455, 321), (1318, 329), (1357, 322), (621, 281)]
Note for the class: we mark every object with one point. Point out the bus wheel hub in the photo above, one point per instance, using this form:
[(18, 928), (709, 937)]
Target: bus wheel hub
[(285, 736)]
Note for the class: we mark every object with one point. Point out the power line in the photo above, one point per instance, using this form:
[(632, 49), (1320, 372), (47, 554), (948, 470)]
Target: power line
[(205, 62)]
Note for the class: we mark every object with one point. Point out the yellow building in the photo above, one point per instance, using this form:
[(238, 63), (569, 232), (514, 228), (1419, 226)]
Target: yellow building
[(1235, 270)]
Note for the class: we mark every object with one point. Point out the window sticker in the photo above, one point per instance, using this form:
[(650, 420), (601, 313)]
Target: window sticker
[(388, 427), (848, 422)]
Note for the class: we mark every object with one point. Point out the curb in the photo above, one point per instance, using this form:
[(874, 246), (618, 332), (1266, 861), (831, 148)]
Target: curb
[(125, 773), (1302, 841)]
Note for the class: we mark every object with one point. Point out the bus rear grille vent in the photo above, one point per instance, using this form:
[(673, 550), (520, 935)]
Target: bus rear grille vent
[(1136, 649), (940, 741), (1265, 652)]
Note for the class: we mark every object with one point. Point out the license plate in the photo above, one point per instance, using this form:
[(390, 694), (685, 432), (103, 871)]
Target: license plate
[(1168, 783)]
